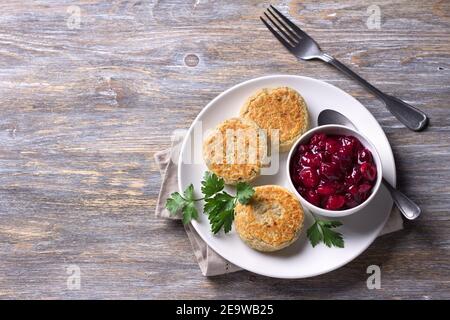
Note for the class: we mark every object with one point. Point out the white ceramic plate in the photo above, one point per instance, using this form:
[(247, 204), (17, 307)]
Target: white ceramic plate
[(300, 260)]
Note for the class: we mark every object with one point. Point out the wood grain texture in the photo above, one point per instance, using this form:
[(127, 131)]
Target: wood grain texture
[(82, 112)]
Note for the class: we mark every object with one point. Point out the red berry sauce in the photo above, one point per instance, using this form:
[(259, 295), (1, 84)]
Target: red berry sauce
[(333, 172)]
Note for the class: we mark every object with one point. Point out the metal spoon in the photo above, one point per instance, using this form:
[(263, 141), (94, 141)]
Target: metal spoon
[(407, 207)]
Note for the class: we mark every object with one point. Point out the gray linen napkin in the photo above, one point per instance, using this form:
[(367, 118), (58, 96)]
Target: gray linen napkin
[(209, 261)]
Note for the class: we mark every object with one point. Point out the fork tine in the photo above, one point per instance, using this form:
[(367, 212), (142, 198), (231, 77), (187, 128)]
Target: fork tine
[(280, 29), (290, 23), (277, 35), (292, 33)]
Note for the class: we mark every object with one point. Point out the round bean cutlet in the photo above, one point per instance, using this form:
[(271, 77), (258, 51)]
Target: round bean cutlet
[(234, 149), (280, 108), (271, 221)]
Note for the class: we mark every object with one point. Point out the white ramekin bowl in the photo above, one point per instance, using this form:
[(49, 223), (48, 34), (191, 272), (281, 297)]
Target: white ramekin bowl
[(339, 130)]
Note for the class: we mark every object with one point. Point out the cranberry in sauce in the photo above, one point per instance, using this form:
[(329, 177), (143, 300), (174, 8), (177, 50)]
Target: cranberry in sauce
[(333, 172)]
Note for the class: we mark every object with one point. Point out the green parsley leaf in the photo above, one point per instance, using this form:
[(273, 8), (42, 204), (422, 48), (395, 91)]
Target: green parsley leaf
[(211, 184), (221, 219), (220, 201), (189, 213), (226, 221), (175, 203), (189, 193), (321, 231), (220, 211), (244, 192), (314, 234), (332, 238)]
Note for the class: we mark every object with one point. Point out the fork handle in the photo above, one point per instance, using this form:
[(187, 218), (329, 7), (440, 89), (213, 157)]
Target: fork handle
[(410, 116)]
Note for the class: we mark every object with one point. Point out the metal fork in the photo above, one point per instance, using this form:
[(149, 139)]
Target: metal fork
[(304, 47)]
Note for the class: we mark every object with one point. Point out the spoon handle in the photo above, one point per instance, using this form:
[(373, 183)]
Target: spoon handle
[(407, 207)]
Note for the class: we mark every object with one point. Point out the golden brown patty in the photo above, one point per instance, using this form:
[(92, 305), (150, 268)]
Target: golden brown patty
[(233, 150), (272, 220), (280, 108)]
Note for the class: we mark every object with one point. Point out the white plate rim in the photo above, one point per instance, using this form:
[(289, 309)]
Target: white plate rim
[(269, 77)]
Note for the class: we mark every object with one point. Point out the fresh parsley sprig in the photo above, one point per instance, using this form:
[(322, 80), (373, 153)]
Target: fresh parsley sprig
[(321, 231), (219, 205), (184, 203)]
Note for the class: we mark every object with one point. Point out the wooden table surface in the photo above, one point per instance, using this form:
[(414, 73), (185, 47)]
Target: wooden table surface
[(86, 100)]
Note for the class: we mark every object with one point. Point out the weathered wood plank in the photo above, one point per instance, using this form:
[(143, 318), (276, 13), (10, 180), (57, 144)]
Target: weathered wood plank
[(83, 110)]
